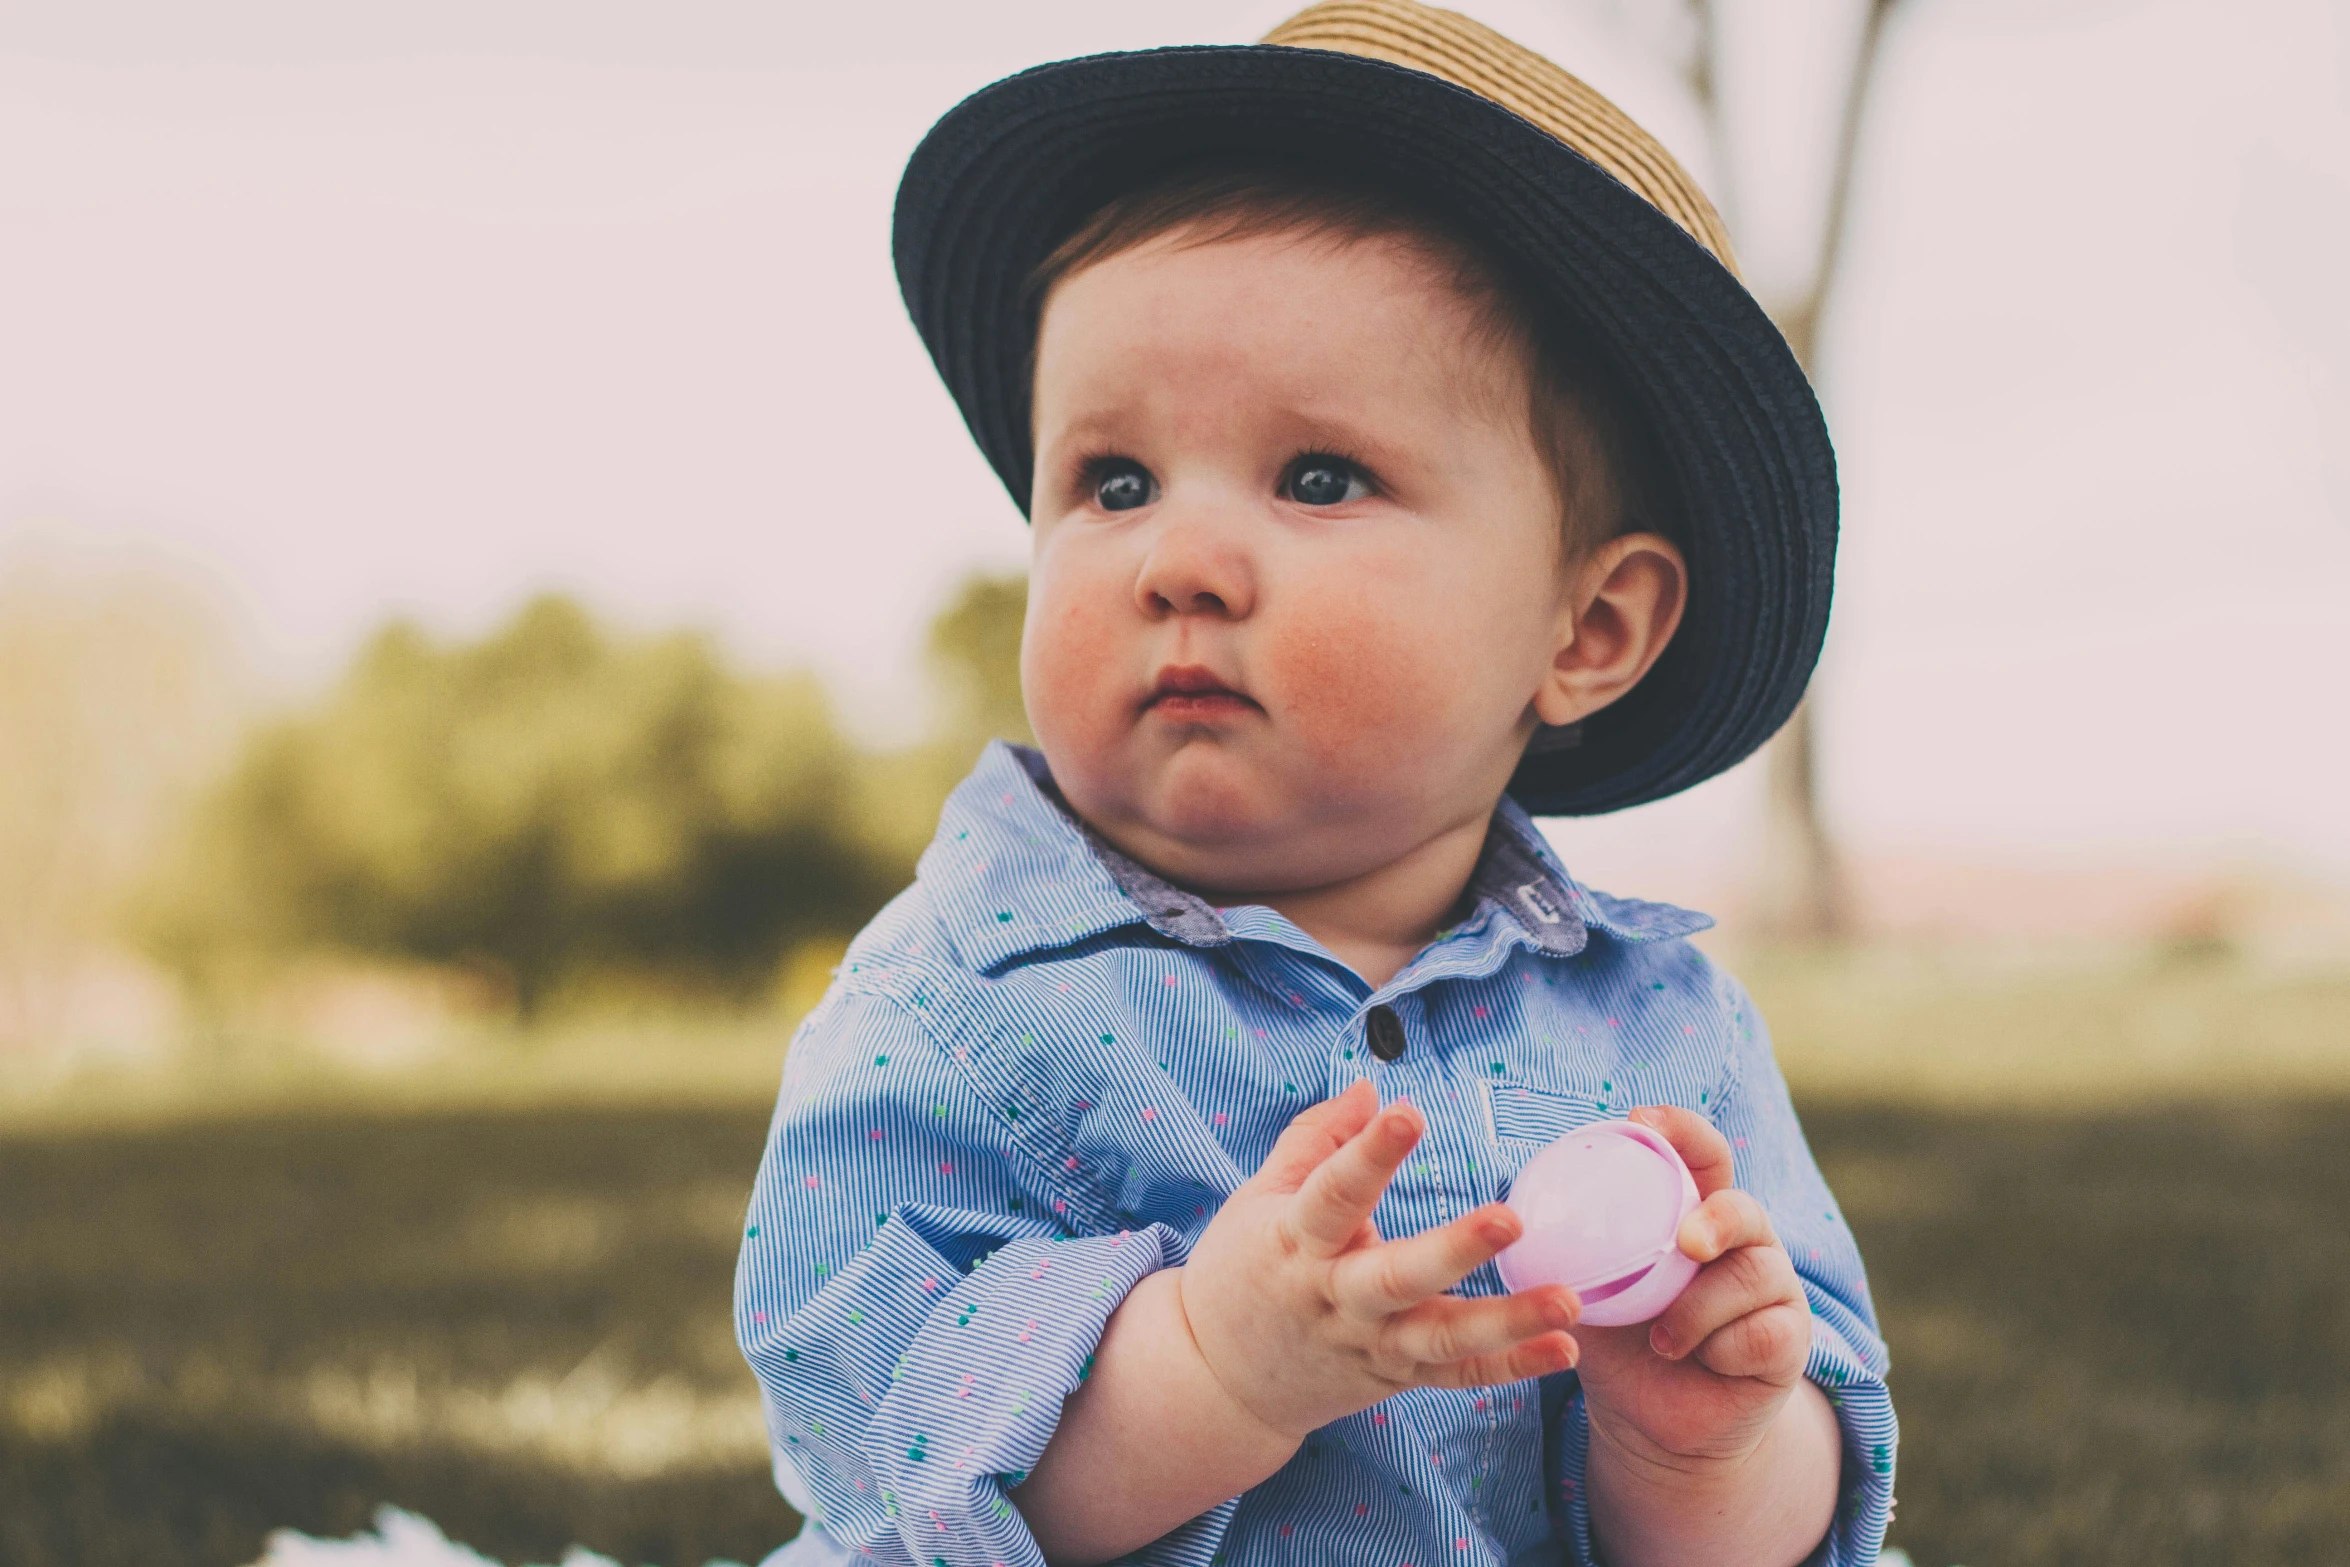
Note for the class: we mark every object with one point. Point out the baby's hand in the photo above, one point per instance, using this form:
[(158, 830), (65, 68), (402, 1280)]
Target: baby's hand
[(1305, 1315), (1704, 1380)]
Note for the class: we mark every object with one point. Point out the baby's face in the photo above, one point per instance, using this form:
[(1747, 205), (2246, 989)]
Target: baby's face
[(1296, 578)]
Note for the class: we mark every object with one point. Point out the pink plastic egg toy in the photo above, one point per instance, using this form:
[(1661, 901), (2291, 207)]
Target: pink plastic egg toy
[(1602, 1207)]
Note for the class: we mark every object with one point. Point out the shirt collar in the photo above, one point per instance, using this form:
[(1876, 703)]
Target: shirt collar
[(1519, 877), (1013, 873)]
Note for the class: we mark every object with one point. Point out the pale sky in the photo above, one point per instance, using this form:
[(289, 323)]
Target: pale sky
[(423, 307)]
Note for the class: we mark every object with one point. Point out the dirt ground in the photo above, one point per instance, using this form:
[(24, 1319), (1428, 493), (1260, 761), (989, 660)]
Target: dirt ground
[(2118, 1337)]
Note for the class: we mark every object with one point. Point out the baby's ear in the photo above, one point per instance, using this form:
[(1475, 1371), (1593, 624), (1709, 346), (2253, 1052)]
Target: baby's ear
[(1623, 604)]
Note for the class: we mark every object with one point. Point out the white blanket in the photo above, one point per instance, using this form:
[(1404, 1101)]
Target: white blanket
[(401, 1539)]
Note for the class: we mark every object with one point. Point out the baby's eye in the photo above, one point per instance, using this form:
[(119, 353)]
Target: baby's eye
[(1122, 485), (1324, 481)]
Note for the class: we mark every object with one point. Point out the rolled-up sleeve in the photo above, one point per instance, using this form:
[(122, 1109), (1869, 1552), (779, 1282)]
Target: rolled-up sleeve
[(912, 1305), (1848, 1359)]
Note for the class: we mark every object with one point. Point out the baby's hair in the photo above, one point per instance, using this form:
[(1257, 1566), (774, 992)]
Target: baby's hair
[(1600, 472)]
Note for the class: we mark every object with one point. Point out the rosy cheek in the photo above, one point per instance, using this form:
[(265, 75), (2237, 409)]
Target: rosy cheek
[(1070, 658), (1359, 686)]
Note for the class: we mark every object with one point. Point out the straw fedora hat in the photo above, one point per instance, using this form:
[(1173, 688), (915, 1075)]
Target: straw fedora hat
[(1564, 190)]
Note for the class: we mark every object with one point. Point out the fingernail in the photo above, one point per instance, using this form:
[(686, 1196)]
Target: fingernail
[(1559, 1313), (1661, 1340)]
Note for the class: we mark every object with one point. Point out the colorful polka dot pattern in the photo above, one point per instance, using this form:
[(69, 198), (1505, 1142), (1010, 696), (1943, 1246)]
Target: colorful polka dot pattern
[(994, 1127)]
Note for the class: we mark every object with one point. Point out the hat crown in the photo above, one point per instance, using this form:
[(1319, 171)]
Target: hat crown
[(1473, 57)]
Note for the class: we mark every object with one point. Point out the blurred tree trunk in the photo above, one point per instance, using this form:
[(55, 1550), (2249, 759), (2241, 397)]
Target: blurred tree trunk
[(1803, 896)]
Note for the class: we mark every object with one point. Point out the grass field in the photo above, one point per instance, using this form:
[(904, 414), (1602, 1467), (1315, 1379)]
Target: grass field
[(2119, 1336), (2101, 1207)]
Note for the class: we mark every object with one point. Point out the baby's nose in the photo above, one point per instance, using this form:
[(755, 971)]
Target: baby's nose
[(1195, 566)]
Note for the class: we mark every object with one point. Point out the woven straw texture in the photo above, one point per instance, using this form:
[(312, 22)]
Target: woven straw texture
[(1470, 55)]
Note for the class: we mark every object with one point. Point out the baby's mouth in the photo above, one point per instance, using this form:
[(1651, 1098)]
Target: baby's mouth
[(1192, 693)]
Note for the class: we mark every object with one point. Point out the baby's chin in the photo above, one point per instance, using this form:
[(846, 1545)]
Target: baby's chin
[(1215, 818)]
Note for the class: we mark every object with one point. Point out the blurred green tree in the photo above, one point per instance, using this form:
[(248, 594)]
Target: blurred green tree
[(975, 657), (547, 802)]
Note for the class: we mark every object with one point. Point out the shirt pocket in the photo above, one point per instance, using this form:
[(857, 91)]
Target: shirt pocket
[(1526, 1117)]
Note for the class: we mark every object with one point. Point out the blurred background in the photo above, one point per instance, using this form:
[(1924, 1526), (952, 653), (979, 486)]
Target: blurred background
[(492, 596)]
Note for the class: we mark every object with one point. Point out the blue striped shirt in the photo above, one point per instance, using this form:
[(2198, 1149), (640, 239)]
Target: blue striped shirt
[(1042, 1068)]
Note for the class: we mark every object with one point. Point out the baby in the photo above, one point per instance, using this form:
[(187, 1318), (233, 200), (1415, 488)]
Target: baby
[(1401, 456)]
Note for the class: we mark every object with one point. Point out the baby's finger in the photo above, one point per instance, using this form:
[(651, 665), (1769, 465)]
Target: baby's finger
[(1537, 1357), (1724, 1222), (1446, 1329), (1701, 1147), (1383, 1280), (1770, 1345), (1340, 1193), (1315, 1133), (1738, 1284)]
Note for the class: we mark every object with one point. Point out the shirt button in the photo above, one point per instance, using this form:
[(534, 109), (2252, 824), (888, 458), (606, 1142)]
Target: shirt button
[(1383, 1032)]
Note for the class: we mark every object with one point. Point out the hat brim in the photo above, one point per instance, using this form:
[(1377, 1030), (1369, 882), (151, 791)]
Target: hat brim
[(1013, 170)]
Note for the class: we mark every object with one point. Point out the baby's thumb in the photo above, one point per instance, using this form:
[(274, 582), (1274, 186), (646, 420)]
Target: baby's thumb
[(1315, 1133)]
